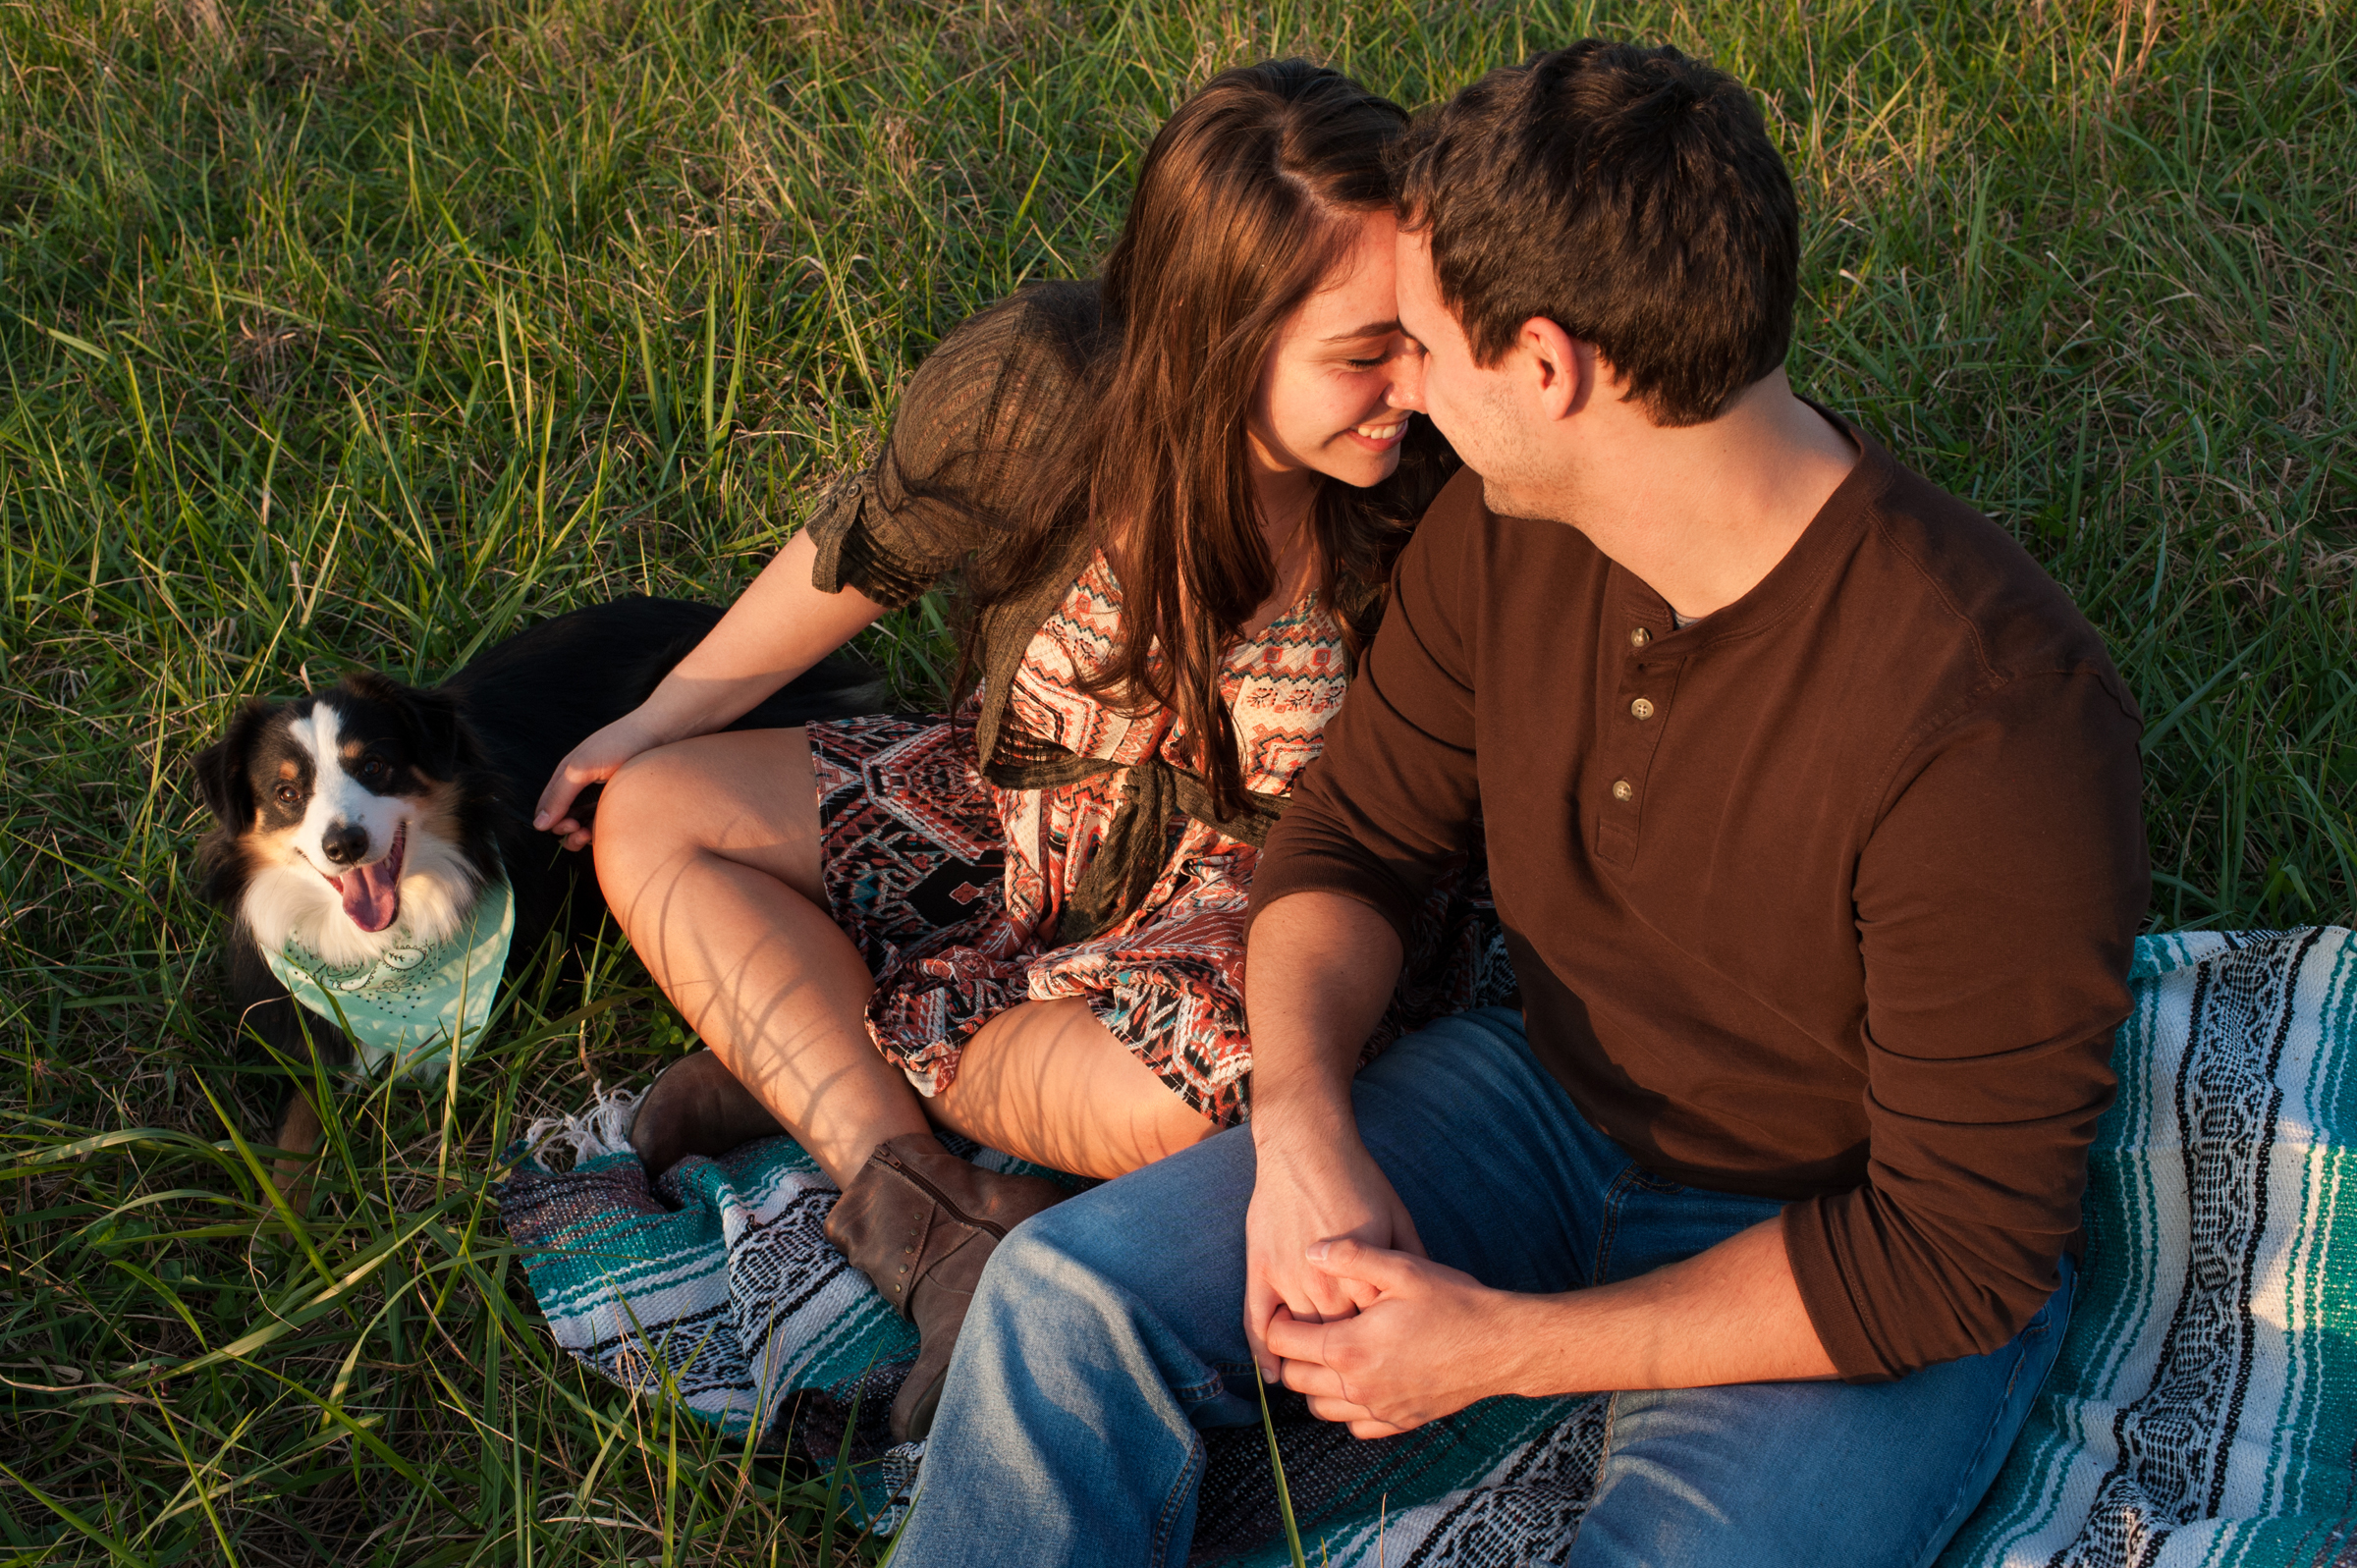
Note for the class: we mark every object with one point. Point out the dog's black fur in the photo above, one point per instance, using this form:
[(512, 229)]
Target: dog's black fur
[(462, 765)]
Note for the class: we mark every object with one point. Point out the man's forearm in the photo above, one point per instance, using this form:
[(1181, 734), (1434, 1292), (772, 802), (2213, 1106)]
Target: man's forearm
[(1730, 1315), (1318, 971), (1428, 1341)]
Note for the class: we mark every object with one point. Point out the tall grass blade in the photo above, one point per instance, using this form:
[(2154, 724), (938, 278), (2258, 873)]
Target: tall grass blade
[(837, 1481), (1285, 1498)]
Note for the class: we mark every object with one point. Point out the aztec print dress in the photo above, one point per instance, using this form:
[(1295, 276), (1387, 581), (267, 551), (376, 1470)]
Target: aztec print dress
[(953, 888)]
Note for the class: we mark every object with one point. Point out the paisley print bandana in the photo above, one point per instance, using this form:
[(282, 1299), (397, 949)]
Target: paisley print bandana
[(402, 1010)]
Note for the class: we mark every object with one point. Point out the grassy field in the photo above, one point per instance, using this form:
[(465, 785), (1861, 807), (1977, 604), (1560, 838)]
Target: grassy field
[(366, 331)]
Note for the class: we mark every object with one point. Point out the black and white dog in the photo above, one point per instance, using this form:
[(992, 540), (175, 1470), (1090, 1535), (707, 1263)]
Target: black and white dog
[(364, 826)]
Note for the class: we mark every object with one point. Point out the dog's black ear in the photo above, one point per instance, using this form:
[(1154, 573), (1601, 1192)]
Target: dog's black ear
[(443, 733), (433, 722), (221, 767)]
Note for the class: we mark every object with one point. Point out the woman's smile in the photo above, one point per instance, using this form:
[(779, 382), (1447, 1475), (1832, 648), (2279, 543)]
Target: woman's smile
[(1341, 347)]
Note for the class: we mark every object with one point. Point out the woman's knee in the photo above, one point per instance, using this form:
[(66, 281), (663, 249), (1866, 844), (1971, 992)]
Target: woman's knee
[(632, 816), (1175, 1126)]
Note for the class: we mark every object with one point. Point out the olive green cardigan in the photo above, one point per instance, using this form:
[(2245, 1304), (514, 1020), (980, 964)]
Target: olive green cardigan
[(980, 411)]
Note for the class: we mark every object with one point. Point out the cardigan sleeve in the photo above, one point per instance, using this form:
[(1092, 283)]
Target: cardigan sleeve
[(972, 425)]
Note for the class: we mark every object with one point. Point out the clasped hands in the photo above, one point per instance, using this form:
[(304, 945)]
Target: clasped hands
[(1342, 1305)]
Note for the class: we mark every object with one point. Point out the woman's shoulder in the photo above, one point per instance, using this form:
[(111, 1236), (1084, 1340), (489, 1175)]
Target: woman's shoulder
[(1058, 314), (974, 421), (1037, 342), (995, 392)]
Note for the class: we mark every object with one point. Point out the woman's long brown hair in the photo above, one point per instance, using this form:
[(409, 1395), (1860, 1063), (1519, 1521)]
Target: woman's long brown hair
[(1242, 207)]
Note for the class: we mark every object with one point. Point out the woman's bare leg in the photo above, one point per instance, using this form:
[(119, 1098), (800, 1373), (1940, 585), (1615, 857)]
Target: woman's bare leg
[(1046, 1081), (709, 855)]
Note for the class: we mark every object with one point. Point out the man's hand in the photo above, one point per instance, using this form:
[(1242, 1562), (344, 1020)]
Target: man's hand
[(1426, 1340), (1311, 1191)]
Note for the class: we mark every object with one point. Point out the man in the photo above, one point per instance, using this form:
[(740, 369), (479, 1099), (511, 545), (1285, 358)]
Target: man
[(1811, 810)]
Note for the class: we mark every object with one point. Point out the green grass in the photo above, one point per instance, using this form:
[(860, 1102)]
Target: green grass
[(337, 331)]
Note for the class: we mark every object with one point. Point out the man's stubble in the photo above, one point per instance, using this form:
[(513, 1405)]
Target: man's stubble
[(1516, 479)]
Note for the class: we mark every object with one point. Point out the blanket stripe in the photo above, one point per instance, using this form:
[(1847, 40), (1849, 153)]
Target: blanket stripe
[(2203, 1409)]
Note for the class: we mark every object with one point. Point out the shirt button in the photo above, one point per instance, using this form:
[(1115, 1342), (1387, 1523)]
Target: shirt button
[(1639, 637), (1642, 708), (1622, 789)]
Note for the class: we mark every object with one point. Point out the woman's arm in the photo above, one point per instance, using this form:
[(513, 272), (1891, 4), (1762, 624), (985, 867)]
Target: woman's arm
[(970, 424), (778, 628)]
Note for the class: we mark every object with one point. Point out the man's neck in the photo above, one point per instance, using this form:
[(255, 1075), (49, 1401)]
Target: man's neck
[(1701, 513)]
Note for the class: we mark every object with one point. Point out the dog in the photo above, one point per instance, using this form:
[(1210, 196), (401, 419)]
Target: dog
[(372, 843)]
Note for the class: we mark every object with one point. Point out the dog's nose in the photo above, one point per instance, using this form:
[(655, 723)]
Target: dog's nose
[(344, 842)]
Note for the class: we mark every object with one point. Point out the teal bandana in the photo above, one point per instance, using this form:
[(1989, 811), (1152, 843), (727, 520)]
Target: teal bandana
[(402, 1009)]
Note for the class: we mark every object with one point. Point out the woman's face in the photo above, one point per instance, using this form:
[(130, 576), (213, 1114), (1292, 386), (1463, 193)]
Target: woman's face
[(1321, 405)]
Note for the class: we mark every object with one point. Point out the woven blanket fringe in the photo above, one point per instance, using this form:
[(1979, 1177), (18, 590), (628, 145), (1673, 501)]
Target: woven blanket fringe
[(600, 1128)]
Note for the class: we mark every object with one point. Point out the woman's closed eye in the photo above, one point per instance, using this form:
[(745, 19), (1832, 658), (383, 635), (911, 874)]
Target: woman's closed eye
[(1385, 353)]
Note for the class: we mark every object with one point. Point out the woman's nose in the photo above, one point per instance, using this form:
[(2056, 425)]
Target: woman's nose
[(1405, 388)]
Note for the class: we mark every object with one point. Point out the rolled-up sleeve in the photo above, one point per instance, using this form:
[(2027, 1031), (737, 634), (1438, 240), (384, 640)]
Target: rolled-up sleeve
[(2012, 835), (974, 422)]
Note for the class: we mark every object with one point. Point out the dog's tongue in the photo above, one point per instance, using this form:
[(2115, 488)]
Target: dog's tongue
[(372, 893)]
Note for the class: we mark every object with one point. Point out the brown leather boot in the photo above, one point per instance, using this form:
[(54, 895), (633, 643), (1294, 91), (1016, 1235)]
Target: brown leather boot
[(696, 1106), (921, 1222)]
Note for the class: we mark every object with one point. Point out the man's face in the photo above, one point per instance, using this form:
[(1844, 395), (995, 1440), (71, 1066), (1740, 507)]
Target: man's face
[(1487, 414)]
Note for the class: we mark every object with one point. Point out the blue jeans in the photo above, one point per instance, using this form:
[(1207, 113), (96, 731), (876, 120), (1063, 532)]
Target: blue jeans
[(1108, 1331)]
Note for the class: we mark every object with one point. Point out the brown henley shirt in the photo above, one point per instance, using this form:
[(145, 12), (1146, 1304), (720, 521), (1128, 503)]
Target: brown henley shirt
[(1827, 897)]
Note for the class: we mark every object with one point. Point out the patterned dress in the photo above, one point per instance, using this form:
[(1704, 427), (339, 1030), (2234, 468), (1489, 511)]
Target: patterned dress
[(951, 887)]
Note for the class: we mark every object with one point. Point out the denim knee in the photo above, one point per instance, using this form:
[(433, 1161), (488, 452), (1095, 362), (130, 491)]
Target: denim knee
[(1039, 1264)]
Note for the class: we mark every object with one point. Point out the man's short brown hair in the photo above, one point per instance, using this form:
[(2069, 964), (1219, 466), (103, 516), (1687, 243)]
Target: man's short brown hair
[(1629, 195)]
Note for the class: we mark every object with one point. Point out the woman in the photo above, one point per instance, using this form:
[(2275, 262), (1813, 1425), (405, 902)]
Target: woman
[(1172, 498)]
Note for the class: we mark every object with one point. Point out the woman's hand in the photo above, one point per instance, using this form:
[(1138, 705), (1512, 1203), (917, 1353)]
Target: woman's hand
[(592, 761), (778, 628)]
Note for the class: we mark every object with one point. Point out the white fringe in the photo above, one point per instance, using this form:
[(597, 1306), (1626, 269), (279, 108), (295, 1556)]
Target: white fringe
[(900, 1468), (600, 1128)]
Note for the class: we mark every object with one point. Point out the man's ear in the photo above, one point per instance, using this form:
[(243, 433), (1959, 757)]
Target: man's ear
[(221, 767), (1561, 366)]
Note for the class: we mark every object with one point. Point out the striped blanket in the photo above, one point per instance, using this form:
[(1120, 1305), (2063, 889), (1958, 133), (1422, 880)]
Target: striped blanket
[(2203, 1408)]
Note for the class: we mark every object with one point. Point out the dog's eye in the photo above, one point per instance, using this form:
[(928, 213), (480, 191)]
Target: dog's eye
[(372, 769), (287, 794)]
